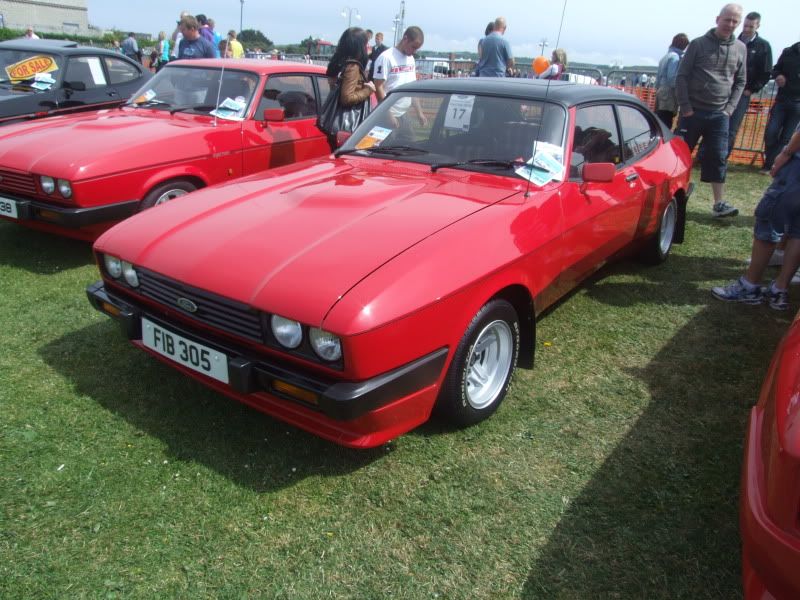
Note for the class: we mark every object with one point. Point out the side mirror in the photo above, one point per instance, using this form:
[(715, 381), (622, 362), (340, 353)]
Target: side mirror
[(75, 86), (342, 137), (274, 114), (598, 172)]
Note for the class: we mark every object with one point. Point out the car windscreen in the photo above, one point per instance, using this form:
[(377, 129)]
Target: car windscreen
[(224, 93), (29, 70), (462, 130)]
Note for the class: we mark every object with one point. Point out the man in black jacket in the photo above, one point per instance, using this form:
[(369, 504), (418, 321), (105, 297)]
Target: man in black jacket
[(377, 50), (785, 113), (759, 70)]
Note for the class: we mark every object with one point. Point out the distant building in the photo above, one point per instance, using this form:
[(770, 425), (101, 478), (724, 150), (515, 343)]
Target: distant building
[(66, 16)]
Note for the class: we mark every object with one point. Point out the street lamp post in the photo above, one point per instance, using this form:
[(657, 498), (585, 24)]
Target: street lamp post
[(241, 15), (347, 12), (542, 44)]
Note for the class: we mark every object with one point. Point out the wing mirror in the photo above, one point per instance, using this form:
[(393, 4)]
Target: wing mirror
[(342, 137), (274, 114), (598, 172)]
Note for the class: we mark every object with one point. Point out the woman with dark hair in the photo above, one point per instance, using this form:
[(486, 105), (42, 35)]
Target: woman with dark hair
[(666, 100), (346, 68)]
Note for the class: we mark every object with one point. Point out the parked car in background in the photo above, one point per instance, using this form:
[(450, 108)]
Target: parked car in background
[(42, 78), (353, 295), (770, 491), (196, 123)]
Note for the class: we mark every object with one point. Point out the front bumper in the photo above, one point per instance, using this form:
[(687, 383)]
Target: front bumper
[(71, 218), (770, 557), (357, 414)]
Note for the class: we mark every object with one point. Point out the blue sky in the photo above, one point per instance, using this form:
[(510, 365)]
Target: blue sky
[(627, 32)]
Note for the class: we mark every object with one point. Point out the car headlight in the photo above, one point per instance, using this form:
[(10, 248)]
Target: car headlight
[(64, 188), (326, 345), (113, 265), (130, 274), (47, 183), (289, 333)]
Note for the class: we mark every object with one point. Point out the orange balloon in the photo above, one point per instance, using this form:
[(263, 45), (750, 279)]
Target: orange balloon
[(540, 65)]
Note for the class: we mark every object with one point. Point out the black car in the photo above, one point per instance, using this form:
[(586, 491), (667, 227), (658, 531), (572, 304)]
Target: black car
[(40, 78)]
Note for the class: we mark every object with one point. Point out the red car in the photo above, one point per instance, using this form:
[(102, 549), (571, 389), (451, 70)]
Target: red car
[(352, 295), (194, 124), (770, 492)]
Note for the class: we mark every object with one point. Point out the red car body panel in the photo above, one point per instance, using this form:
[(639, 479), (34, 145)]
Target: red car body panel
[(770, 492), (117, 156), (391, 257)]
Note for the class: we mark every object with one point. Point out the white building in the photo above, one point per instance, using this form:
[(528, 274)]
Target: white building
[(66, 16)]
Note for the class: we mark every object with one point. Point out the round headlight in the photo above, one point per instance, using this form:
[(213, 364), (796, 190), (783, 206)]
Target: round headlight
[(113, 266), (47, 183), (130, 275), (64, 188), (326, 345), (288, 333)]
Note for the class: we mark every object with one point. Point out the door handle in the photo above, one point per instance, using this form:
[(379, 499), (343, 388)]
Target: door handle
[(632, 177)]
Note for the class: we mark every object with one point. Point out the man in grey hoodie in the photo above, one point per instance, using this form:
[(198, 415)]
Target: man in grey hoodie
[(710, 81)]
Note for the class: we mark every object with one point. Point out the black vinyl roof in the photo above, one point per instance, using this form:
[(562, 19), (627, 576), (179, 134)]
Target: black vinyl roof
[(61, 47), (563, 92)]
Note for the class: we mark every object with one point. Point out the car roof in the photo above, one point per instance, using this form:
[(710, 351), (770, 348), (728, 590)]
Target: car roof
[(63, 47), (563, 92), (264, 67)]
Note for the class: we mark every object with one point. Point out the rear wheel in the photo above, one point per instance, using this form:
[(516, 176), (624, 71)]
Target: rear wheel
[(480, 373), (166, 192), (658, 246)]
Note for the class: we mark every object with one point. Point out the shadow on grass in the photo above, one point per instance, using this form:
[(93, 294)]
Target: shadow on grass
[(651, 521), (196, 424), (41, 253)]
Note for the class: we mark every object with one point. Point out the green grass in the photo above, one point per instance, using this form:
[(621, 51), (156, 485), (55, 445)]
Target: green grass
[(611, 471)]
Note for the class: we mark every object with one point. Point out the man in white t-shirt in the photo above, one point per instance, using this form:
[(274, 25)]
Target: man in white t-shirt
[(395, 67)]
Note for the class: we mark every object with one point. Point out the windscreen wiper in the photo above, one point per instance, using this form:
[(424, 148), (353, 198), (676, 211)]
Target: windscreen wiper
[(151, 102), (482, 162), (391, 150), (205, 107)]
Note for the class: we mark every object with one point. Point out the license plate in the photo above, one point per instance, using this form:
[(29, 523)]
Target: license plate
[(185, 352), (8, 208)]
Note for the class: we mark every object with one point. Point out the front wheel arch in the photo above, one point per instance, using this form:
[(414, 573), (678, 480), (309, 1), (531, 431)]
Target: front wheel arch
[(187, 184)]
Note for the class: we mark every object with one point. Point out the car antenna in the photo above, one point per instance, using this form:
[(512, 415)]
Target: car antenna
[(546, 94), (221, 76)]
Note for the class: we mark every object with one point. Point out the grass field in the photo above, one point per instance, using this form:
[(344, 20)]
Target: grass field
[(611, 471)]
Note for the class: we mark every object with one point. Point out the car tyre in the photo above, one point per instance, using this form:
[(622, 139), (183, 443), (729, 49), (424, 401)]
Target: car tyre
[(482, 367), (658, 246), (166, 192)]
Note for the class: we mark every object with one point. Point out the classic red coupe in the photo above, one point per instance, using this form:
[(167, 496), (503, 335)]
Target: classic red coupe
[(194, 124), (353, 295), (770, 492)]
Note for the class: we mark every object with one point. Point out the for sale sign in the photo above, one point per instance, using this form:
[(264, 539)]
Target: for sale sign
[(25, 69)]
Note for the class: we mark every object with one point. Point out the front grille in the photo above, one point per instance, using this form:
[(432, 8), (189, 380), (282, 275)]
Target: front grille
[(215, 311), (20, 183)]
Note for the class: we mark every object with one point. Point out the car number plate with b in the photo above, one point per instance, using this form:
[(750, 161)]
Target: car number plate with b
[(184, 351), (8, 208)]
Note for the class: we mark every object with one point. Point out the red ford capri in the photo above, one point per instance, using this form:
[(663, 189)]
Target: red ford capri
[(355, 294), (194, 124), (770, 492)]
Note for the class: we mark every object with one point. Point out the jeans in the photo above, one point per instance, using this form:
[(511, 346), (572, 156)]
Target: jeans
[(736, 121), (778, 212), (712, 126), (783, 119)]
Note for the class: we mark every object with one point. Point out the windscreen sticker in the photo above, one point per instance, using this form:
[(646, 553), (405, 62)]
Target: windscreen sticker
[(374, 138), (546, 165), (230, 109), (25, 69), (459, 112), (146, 97), (98, 76), (42, 81)]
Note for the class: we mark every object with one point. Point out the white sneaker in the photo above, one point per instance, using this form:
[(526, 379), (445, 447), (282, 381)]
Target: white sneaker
[(723, 209)]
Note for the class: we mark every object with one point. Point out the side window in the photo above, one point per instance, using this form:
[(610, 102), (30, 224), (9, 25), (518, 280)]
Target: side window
[(324, 89), (293, 93), (596, 139), (87, 70), (639, 134), (120, 71)]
